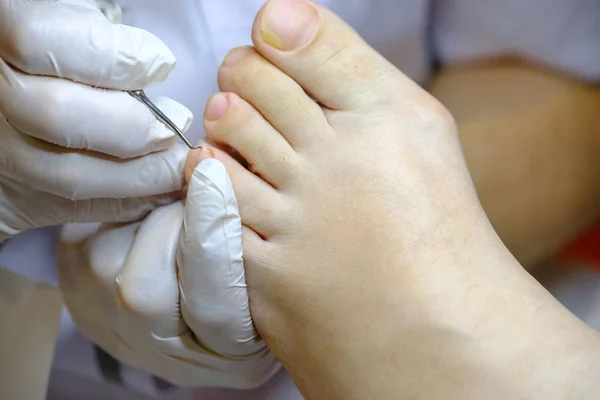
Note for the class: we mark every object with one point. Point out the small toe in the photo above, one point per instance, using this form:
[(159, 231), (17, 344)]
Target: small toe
[(260, 205), (230, 120), (277, 97)]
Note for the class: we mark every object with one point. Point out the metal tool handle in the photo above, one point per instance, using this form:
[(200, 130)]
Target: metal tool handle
[(142, 98)]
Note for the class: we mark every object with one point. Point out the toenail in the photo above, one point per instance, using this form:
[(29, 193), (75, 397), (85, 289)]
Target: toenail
[(288, 24), (235, 56), (217, 106), (194, 158)]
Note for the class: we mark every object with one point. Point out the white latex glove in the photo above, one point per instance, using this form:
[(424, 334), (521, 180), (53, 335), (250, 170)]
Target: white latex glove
[(68, 147), (167, 297)]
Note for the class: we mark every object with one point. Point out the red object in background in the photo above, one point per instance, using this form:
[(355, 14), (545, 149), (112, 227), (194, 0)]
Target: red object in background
[(586, 249)]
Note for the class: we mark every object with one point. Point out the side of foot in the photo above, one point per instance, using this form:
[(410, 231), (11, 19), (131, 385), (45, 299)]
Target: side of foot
[(362, 223)]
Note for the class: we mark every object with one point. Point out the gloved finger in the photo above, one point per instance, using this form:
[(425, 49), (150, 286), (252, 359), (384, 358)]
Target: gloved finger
[(87, 256), (106, 253), (19, 208), (80, 175), (148, 286), (73, 40), (214, 299), (78, 287), (78, 116)]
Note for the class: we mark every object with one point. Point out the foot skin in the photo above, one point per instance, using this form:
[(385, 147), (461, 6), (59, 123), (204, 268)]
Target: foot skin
[(370, 262)]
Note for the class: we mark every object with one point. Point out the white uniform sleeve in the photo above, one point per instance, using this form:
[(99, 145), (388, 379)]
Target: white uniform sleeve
[(561, 34)]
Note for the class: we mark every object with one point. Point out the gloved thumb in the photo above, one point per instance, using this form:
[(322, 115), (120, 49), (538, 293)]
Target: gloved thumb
[(214, 298)]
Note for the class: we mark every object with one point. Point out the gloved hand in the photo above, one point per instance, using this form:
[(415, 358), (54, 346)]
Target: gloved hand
[(70, 148), (167, 297)]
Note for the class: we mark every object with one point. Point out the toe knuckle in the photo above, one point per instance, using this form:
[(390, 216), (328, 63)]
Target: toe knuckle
[(350, 61), (434, 116), (339, 58), (235, 63), (248, 71), (265, 213), (275, 213), (230, 129), (241, 122)]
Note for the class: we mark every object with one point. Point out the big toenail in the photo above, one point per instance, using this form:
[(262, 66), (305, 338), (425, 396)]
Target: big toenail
[(235, 56), (288, 24), (216, 107)]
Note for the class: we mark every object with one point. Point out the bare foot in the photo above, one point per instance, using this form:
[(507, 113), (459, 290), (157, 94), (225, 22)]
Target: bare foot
[(370, 262)]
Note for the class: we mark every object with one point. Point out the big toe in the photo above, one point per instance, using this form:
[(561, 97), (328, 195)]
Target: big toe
[(325, 56)]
